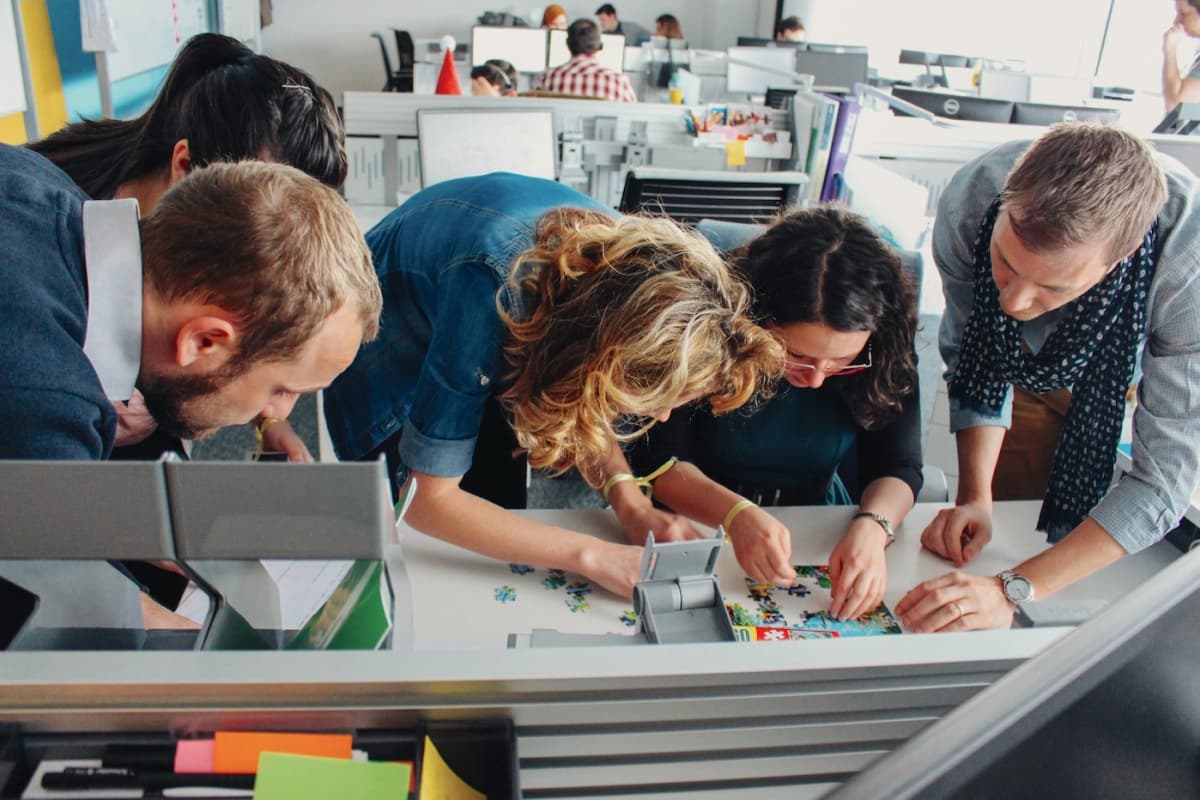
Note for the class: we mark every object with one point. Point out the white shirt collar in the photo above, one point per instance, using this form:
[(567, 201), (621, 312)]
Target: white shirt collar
[(113, 254)]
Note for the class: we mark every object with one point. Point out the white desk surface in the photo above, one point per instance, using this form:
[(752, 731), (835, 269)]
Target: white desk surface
[(453, 590)]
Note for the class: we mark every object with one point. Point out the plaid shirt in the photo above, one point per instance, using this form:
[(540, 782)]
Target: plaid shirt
[(587, 77)]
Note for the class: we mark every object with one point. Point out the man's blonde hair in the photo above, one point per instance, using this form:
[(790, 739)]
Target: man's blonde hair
[(267, 243), (628, 317), (1084, 182)]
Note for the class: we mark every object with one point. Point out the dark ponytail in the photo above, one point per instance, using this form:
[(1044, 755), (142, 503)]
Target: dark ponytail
[(228, 102)]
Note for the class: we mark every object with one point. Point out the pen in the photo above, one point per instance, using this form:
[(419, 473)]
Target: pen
[(121, 778)]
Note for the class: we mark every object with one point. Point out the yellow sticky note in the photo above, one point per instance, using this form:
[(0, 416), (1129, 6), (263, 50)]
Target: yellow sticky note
[(438, 781), (735, 153)]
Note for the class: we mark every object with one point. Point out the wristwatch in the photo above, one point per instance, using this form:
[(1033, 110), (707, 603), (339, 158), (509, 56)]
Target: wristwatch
[(882, 521), (1017, 588)]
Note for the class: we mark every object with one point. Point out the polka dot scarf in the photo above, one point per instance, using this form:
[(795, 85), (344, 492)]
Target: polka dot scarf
[(1092, 351)]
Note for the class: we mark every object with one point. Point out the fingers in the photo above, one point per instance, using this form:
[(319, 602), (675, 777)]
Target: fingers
[(941, 604), (932, 537)]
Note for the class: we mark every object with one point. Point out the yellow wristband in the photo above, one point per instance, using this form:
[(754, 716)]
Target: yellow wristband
[(738, 507), (613, 480), (260, 430), (646, 484)]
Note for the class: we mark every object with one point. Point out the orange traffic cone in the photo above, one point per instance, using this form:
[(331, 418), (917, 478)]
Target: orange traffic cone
[(447, 82)]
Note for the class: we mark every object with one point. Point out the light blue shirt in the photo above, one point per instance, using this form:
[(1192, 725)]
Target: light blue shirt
[(1147, 502)]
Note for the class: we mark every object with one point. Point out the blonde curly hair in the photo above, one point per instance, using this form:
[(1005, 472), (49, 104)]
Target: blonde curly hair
[(626, 319)]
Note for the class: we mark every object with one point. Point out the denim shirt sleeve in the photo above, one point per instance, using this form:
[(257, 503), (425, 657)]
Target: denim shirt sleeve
[(1150, 499), (461, 370)]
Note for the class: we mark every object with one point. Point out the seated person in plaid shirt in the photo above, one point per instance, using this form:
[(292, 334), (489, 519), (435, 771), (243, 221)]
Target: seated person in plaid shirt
[(583, 75)]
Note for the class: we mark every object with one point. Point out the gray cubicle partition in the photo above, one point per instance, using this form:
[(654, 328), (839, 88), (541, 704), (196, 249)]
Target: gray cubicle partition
[(60, 522)]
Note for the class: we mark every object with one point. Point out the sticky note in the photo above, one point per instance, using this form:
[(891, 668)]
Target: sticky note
[(735, 153), (238, 751), (439, 782), (282, 776), (194, 755)]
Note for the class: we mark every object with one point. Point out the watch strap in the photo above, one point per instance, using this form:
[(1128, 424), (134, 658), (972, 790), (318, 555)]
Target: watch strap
[(882, 521)]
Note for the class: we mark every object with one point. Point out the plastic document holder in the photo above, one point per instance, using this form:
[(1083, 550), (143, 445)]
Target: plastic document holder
[(678, 600)]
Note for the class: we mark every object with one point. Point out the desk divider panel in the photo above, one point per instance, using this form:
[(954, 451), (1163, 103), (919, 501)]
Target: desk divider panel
[(60, 523)]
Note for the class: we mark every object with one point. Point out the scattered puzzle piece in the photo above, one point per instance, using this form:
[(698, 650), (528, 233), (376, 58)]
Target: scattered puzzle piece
[(579, 588), (520, 569), (555, 580), (577, 604), (506, 594), (799, 590), (629, 618)]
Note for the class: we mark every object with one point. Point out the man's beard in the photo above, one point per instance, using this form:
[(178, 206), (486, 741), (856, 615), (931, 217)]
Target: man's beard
[(172, 401)]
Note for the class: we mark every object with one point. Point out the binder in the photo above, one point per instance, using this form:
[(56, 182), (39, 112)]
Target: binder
[(825, 113), (843, 140)]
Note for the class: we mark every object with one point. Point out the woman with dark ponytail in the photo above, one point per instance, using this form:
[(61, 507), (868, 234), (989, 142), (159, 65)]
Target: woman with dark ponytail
[(840, 301), (220, 101)]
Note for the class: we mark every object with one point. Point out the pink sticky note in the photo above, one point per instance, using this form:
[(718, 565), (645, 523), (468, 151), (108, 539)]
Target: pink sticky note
[(194, 755)]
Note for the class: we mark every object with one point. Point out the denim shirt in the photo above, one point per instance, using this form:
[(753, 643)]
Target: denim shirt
[(442, 259), (1148, 501)]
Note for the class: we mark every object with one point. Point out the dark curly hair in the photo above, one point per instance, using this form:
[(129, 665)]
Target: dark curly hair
[(828, 265)]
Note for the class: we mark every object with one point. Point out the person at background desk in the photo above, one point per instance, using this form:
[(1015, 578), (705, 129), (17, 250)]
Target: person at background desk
[(1179, 88), (554, 17), (1061, 262), (838, 298), (635, 35), (583, 75), (790, 29), (521, 314), (219, 102), (667, 26), (494, 78)]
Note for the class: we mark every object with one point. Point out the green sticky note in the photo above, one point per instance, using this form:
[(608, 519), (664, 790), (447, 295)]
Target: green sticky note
[(287, 777)]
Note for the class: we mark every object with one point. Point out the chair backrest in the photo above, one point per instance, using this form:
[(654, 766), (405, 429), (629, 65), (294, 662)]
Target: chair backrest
[(405, 59), (687, 196)]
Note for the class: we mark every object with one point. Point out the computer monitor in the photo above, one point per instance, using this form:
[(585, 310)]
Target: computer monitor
[(779, 98), (1048, 114), (455, 144), (751, 70), (1182, 120), (757, 41), (612, 55), (524, 48), (1111, 710), (957, 106), (689, 195), (832, 70)]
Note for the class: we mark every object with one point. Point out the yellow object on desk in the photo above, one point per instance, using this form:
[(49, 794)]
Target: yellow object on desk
[(260, 430)]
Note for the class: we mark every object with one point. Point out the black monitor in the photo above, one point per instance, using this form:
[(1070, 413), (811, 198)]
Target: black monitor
[(1049, 113), (957, 106), (830, 69), (1111, 710), (758, 41)]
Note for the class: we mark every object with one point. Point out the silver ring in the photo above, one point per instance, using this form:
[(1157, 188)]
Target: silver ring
[(957, 608)]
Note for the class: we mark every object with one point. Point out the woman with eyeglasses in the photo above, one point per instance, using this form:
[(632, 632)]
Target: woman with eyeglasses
[(841, 302)]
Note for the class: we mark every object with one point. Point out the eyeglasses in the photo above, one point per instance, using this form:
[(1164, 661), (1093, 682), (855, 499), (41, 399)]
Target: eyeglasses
[(848, 369)]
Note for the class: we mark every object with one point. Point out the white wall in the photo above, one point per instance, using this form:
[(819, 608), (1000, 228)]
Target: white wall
[(332, 38)]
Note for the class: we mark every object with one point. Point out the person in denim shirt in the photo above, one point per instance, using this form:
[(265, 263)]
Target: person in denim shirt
[(515, 301), (1063, 262)]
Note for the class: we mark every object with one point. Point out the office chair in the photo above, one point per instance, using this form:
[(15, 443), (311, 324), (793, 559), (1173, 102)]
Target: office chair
[(687, 195), (406, 57), (391, 82)]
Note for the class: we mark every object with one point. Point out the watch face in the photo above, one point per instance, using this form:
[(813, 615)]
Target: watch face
[(1018, 588)]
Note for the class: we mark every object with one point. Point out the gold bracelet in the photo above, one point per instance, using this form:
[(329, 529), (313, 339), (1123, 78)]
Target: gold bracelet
[(260, 430), (645, 483), (738, 507)]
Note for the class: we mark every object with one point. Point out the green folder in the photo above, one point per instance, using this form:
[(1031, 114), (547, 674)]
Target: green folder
[(290, 777), (357, 615)]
